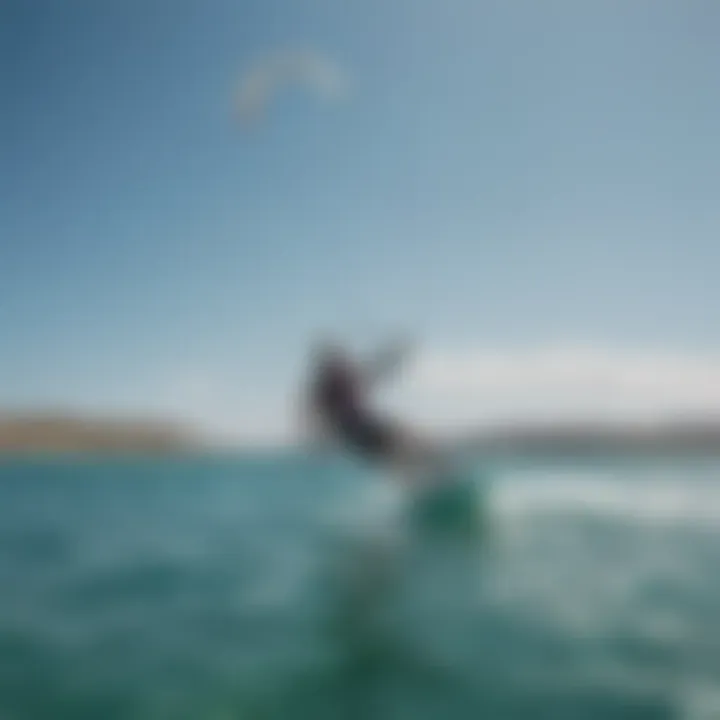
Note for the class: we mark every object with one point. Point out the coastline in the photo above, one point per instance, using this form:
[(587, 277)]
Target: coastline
[(53, 435)]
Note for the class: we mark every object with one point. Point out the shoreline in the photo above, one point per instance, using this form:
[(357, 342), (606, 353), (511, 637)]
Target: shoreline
[(63, 435)]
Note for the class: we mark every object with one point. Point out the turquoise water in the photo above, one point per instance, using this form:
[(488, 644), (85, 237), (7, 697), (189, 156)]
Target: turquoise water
[(284, 587)]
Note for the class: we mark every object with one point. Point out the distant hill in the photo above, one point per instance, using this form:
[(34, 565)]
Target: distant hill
[(68, 433), (672, 437)]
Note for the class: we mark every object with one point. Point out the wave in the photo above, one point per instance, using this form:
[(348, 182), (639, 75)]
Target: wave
[(649, 497)]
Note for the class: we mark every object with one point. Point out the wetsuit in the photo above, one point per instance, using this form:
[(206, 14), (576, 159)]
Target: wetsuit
[(336, 395)]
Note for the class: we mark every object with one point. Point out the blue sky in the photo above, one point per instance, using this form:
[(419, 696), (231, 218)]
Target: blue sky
[(499, 176)]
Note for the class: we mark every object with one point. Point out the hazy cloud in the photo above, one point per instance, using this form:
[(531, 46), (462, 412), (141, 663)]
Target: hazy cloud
[(214, 400), (554, 382), (455, 389)]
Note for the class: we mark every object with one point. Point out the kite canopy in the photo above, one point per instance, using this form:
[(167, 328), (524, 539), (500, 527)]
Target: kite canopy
[(270, 76)]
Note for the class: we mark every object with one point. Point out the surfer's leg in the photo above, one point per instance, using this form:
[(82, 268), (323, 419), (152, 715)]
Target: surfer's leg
[(409, 456), (406, 454), (372, 438), (420, 461)]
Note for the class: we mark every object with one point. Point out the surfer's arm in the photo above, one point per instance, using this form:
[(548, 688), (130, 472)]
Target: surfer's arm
[(387, 361)]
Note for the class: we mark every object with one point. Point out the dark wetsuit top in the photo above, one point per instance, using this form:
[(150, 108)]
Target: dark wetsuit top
[(336, 395)]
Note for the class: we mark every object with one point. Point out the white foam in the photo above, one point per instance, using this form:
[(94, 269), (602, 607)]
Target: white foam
[(669, 499), (701, 701)]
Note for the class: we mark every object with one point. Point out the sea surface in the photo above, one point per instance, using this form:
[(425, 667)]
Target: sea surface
[(262, 586)]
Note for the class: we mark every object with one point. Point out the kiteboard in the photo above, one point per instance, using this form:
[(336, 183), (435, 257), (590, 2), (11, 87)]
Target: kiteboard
[(452, 502)]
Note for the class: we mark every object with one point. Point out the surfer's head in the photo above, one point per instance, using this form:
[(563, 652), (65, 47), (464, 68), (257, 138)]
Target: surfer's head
[(333, 354)]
